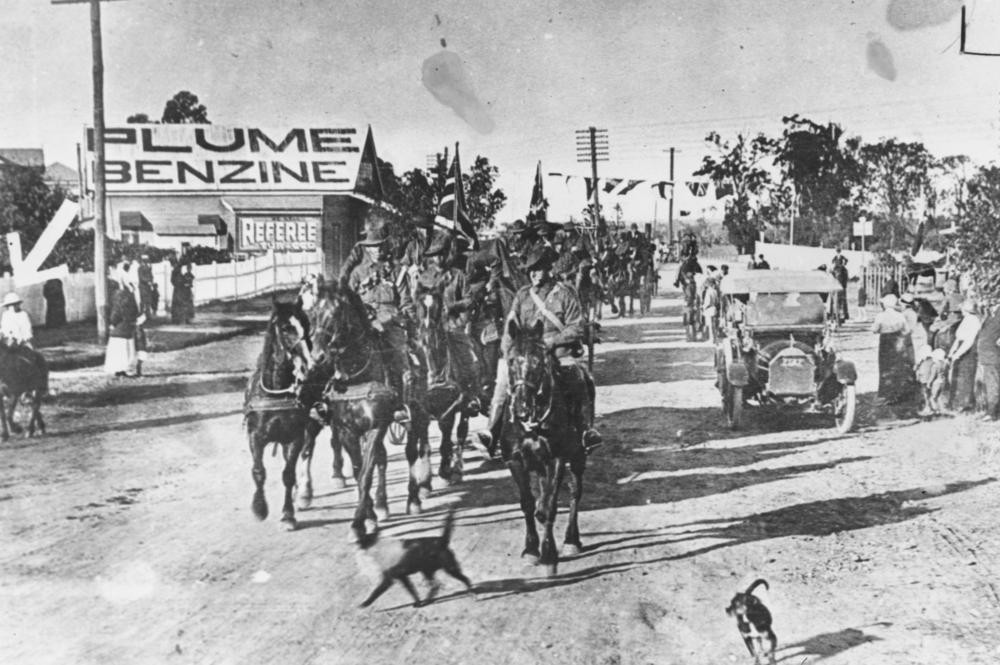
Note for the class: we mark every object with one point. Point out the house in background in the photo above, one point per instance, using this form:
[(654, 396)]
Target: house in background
[(59, 175)]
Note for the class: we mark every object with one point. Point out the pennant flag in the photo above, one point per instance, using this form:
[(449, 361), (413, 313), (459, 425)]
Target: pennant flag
[(685, 213), (590, 188), (723, 190), (539, 206), (452, 205), (661, 188), (632, 184), (610, 184), (698, 188)]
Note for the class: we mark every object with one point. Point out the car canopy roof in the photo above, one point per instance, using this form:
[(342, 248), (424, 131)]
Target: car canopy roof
[(780, 281)]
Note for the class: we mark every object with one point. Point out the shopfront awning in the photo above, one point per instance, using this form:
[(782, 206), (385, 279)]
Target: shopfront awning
[(131, 220)]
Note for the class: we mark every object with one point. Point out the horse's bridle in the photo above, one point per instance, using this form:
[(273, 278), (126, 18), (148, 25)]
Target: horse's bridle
[(332, 352), (299, 349), (531, 425)]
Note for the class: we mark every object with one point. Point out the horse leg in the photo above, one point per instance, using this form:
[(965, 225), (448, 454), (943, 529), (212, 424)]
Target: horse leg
[(419, 471), (5, 434), (461, 438), (292, 452), (338, 459), (550, 495), (381, 467), (303, 471), (446, 425), (14, 427), (571, 542), (36, 408), (366, 470), (257, 444), (523, 481)]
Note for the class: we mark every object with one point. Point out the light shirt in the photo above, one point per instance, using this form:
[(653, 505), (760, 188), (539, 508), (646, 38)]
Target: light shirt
[(15, 327), (965, 335), (889, 321)]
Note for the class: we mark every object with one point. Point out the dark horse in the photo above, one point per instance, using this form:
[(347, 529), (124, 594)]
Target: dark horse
[(542, 437), (271, 412), (22, 371), (440, 396), (348, 387)]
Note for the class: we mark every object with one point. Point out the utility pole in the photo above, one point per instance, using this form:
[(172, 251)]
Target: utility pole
[(670, 210), (100, 225), (592, 146)]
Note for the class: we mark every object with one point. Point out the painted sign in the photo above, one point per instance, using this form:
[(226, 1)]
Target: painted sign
[(281, 233), (200, 158)]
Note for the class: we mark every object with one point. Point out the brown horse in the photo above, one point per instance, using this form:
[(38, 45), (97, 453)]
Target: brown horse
[(442, 398), (23, 371), (348, 388), (541, 437), (271, 413)]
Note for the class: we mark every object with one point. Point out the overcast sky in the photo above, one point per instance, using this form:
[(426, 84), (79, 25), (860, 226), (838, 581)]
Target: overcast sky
[(655, 74)]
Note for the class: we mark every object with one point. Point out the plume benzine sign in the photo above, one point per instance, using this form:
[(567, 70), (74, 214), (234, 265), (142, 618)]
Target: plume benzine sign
[(281, 233), (200, 158)]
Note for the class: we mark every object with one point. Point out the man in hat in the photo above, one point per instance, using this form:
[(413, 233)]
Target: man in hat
[(441, 279), (710, 300), (144, 273), (421, 232), (373, 278), (559, 311), (491, 296), (15, 324)]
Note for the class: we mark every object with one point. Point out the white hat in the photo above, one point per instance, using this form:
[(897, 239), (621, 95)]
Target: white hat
[(889, 301), (11, 299)]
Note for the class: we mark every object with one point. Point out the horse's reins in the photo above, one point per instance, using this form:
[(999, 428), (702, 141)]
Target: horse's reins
[(534, 424), (289, 351)]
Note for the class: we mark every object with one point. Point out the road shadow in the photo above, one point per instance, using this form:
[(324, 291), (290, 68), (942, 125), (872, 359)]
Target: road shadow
[(146, 423), (664, 365), (826, 645), (133, 391)]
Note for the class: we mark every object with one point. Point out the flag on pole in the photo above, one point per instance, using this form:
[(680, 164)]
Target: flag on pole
[(539, 206), (661, 188), (452, 205), (611, 183)]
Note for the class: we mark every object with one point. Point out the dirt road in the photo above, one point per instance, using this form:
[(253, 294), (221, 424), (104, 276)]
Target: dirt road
[(127, 535)]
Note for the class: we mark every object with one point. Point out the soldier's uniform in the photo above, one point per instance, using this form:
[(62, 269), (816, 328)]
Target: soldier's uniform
[(559, 310), (491, 298), (449, 284), (374, 279)]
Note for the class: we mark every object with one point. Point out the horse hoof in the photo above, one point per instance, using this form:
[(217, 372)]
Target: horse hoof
[(382, 514), (550, 570), (289, 523), (414, 508), (530, 558), (259, 508), (569, 549), (339, 483), (303, 502), (371, 526), (424, 493)]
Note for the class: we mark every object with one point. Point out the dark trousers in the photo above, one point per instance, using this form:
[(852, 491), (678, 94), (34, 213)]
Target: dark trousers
[(988, 388)]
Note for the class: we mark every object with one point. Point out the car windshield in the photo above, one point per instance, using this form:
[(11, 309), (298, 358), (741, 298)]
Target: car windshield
[(791, 308)]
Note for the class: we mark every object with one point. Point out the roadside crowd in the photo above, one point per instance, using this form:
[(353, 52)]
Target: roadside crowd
[(947, 360)]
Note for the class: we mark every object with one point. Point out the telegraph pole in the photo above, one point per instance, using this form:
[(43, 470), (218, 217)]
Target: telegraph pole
[(670, 210), (592, 146), (100, 225)]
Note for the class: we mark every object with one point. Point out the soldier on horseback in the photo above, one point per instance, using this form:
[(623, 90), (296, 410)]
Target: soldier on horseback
[(558, 309), (441, 279), (374, 279)]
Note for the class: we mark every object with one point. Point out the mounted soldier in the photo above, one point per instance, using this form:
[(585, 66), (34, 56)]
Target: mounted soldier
[(375, 279), (557, 309), (447, 283)]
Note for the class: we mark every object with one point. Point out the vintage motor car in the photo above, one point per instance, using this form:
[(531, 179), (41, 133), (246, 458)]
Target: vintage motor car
[(776, 346)]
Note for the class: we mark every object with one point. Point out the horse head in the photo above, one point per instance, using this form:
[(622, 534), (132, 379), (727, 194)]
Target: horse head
[(342, 330), (530, 373), (287, 356)]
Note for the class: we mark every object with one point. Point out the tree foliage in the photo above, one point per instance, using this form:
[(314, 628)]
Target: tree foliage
[(483, 199), (896, 180), (977, 239), (184, 108), (738, 168)]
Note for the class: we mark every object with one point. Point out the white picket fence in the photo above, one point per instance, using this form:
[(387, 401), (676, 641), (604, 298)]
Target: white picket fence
[(213, 282), (240, 279)]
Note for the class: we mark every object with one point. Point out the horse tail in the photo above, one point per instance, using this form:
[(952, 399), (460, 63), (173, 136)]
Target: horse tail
[(449, 526)]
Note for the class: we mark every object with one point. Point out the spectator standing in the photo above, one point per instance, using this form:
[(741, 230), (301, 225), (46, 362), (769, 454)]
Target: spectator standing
[(896, 380), (962, 356), (55, 303), (15, 324), (121, 328), (918, 333), (988, 362), (182, 306), (762, 264)]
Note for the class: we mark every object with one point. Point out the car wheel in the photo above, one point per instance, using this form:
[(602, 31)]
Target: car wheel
[(845, 408), (732, 404)]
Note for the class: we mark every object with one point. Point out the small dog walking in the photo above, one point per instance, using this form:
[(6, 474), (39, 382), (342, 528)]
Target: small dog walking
[(398, 559), (754, 622)]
